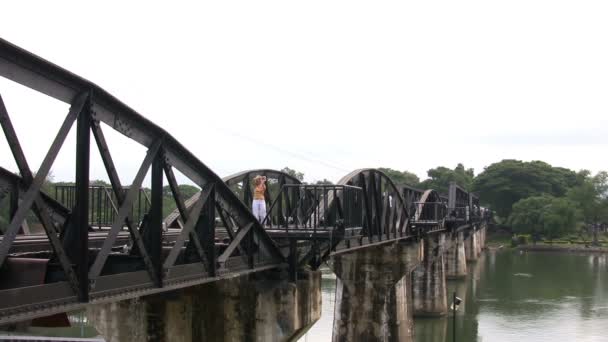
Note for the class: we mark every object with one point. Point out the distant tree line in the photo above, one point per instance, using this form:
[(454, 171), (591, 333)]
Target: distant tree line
[(439, 178), (527, 197)]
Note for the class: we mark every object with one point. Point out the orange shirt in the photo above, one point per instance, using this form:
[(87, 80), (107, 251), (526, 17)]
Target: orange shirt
[(258, 192)]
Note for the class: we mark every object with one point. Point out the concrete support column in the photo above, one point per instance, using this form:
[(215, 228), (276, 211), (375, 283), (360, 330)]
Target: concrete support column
[(470, 247), (456, 259), (373, 293), (428, 280), (153, 318), (259, 307), (262, 308), (479, 242)]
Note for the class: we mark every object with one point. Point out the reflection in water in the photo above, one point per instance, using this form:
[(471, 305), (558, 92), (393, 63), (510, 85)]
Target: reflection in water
[(532, 297), (507, 296), (512, 296)]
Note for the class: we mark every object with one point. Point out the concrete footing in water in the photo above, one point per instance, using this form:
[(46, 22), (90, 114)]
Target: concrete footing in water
[(455, 259), (428, 280), (257, 307), (471, 248), (373, 293)]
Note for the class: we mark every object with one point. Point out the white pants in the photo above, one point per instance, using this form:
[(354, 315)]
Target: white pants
[(259, 209)]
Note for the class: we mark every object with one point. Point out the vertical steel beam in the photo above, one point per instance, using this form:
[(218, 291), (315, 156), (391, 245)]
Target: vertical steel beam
[(280, 218), (205, 230), (79, 251), (153, 233), (367, 207)]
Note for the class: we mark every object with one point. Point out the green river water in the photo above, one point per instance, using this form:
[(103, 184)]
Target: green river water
[(512, 296), (508, 296)]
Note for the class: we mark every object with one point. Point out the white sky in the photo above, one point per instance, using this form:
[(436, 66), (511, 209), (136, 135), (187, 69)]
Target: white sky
[(326, 87)]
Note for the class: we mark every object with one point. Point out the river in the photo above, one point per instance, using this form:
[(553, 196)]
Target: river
[(507, 296), (513, 296)]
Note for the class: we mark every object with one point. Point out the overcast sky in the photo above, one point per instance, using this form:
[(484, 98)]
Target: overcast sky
[(326, 87)]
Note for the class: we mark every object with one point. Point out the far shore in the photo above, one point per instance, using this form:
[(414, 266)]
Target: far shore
[(562, 248)]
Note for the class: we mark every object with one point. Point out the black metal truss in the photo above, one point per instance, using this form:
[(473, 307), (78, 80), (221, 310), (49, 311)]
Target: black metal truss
[(364, 209), (90, 275)]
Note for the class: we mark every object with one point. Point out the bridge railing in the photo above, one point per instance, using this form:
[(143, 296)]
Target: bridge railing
[(458, 214), (315, 207), (103, 204), (431, 212)]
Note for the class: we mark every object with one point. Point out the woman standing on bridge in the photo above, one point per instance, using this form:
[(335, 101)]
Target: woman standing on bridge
[(259, 204)]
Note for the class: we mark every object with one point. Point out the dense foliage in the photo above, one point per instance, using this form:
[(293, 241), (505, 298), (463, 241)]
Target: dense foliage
[(295, 174), (503, 184), (401, 178), (591, 196), (441, 177), (544, 215)]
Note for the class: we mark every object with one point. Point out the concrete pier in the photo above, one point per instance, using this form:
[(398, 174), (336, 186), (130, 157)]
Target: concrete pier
[(482, 239), (248, 308), (428, 280), (373, 293), (455, 259), (470, 247), (479, 241)]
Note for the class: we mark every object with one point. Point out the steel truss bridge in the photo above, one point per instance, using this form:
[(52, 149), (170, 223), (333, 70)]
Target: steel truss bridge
[(107, 244)]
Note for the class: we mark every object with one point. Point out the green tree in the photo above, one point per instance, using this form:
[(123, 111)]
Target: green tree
[(401, 178), (545, 215), (560, 217), (502, 184), (526, 217), (440, 178), (591, 198), (185, 190), (99, 182), (325, 181), (296, 174)]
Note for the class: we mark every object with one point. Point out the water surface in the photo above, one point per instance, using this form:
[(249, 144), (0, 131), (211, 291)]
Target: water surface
[(507, 296), (513, 296)]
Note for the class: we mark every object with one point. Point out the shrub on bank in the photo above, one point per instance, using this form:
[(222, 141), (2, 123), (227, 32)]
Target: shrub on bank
[(524, 239)]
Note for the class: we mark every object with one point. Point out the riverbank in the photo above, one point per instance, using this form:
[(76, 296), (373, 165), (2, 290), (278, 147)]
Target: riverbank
[(503, 239), (541, 247)]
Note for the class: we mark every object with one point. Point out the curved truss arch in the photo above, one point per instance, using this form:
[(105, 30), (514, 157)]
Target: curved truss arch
[(240, 184), (385, 211), (430, 207)]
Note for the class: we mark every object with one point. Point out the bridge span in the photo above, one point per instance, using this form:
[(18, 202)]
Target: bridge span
[(210, 270)]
